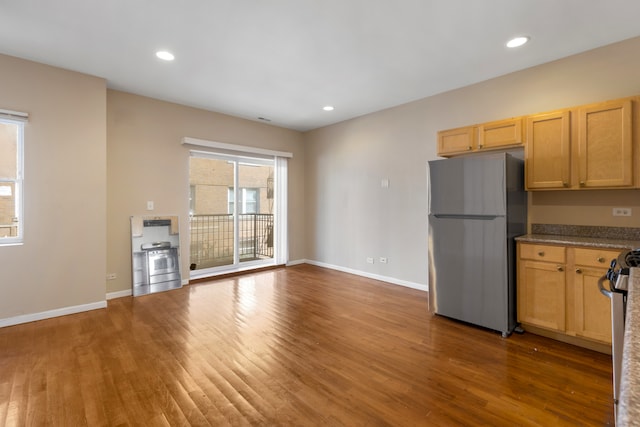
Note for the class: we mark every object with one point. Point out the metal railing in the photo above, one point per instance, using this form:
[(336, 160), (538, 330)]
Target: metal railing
[(212, 240)]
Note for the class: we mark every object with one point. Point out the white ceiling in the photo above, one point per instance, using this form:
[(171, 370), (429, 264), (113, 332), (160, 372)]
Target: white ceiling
[(285, 59)]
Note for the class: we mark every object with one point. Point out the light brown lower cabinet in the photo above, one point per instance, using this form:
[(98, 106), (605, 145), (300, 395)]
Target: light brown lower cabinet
[(558, 293)]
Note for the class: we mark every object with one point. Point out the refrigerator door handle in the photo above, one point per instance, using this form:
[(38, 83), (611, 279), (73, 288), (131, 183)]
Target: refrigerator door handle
[(475, 217)]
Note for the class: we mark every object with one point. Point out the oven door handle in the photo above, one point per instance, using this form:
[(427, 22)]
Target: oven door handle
[(606, 292)]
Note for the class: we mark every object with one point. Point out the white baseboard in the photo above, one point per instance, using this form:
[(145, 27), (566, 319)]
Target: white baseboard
[(25, 318), (296, 262), (391, 280), (119, 294)]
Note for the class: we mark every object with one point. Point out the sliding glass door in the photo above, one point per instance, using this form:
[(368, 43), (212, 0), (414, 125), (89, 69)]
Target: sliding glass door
[(232, 215)]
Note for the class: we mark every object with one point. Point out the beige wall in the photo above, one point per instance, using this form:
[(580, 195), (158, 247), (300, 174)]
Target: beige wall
[(62, 261), (350, 217), (94, 157), (146, 161)]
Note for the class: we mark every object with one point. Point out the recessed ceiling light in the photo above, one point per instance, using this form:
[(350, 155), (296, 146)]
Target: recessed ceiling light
[(327, 108), (163, 54), (517, 41)]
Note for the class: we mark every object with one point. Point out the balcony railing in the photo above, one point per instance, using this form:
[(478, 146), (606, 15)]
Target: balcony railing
[(212, 239)]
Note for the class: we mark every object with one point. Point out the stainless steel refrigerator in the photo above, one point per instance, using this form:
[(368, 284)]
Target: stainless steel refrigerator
[(477, 205)]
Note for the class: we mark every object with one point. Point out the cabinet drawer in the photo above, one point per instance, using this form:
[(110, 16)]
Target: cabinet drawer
[(595, 257), (542, 252)]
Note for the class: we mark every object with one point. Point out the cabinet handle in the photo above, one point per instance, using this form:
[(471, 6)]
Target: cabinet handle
[(560, 268), (578, 271), (582, 183), (600, 259), (565, 184), (541, 253), (469, 148), (480, 146)]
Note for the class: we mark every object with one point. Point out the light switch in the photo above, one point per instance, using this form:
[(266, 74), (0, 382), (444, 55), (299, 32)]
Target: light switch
[(150, 205), (384, 183)]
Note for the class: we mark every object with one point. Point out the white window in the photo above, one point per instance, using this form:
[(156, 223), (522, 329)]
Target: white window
[(249, 200), (11, 177)]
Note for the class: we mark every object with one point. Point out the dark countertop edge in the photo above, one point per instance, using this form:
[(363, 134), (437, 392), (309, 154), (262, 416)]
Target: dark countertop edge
[(594, 242)]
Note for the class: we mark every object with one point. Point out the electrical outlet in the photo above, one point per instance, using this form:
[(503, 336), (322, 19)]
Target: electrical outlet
[(150, 205), (621, 211), (369, 260), (383, 260), (112, 276)]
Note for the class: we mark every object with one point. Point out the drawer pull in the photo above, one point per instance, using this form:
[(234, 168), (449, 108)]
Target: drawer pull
[(469, 148), (578, 271), (541, 253), (560, 268), (600, 259)]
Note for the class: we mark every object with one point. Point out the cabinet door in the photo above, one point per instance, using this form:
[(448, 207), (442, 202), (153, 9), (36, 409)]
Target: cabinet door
[(174, 225), (541, 294), (499, 134), (136, 226), (548, 153), (456, 141), (592, 309), (605, 145)]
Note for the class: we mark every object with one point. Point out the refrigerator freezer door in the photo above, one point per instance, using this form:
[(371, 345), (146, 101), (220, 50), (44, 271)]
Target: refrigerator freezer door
[(468, 271), (468, 186)]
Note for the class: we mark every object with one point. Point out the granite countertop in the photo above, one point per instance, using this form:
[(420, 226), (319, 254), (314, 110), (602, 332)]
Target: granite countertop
[(595, 242), (582, 235), (629, 402)]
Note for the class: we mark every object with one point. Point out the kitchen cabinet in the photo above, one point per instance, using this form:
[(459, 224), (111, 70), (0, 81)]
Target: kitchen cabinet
[(136, 226), (605, 145), (557, 292), (483, 137), (500, 134), (456, 141), (541, 286), (588, 147), (548, 151), (592, 310), (174, 225)]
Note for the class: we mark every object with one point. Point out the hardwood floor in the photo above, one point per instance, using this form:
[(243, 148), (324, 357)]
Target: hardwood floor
[(297, 346)]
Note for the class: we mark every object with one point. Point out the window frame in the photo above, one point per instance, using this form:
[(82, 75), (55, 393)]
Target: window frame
[(18, 184)]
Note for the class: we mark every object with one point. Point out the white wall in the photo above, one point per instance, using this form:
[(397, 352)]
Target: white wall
[(61, 264), (350, 217)]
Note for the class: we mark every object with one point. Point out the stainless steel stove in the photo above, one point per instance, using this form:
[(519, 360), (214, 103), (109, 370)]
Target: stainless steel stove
[(156, 264)]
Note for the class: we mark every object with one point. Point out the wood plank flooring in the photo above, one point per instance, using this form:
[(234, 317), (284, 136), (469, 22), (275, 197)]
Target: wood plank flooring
[(297, 346)]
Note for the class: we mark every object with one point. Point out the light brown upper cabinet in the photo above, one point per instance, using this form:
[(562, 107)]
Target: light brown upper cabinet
[(605, 152), (500, 134), (548, 150), (486, 136), (581, 148), (456, 141)]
